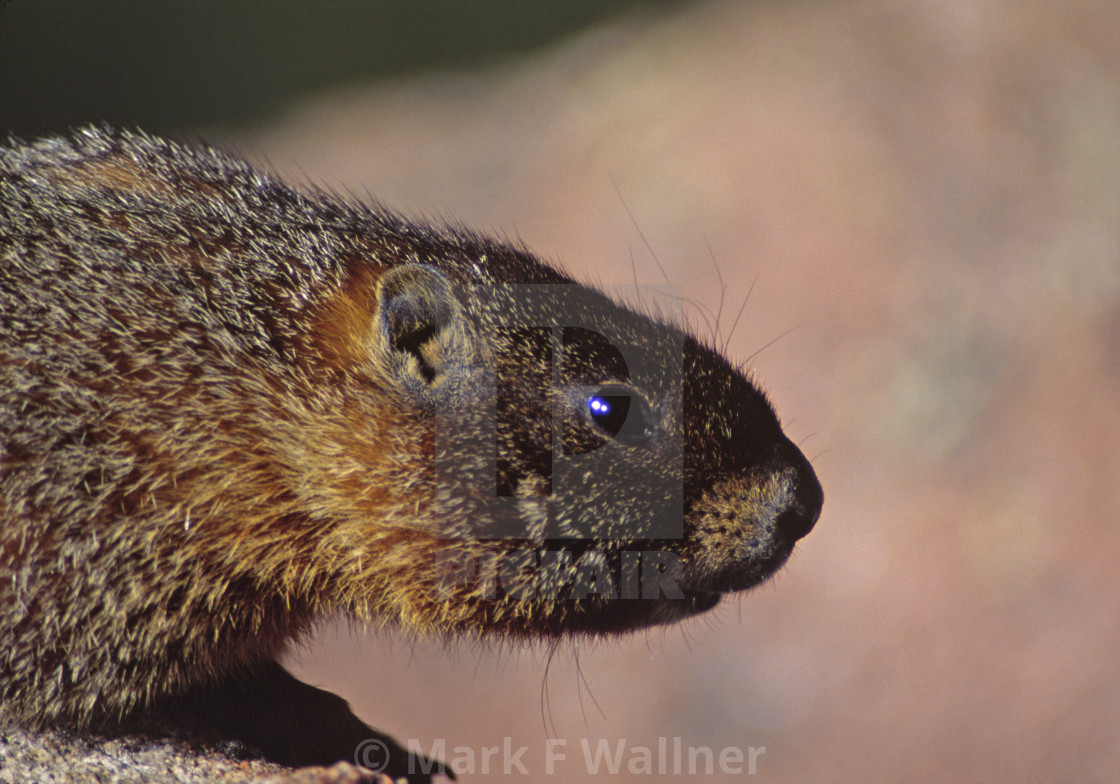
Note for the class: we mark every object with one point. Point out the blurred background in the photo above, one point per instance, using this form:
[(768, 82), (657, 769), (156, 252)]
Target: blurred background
[(924, 196)]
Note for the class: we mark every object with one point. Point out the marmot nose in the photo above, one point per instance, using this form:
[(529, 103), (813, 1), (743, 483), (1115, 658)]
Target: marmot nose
[(803, 514), (799, 519)]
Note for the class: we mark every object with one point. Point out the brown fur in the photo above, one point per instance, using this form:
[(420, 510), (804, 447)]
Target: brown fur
[(228, 409)]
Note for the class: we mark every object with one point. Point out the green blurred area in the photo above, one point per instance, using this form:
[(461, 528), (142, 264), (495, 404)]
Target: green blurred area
[(169, 66)]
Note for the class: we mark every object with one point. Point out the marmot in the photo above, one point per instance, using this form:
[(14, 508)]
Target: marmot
[(229, 408)]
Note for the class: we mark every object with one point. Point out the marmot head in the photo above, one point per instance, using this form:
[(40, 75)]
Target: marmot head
[(593, 469)]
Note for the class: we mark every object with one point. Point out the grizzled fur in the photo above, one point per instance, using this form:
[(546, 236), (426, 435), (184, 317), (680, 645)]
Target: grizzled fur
[(228, 408)]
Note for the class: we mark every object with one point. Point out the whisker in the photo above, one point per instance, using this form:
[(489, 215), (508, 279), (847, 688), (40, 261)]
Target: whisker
[(582, 679), (739, 315), (722, 292), (547, 722), (775, 340), (641, 234)]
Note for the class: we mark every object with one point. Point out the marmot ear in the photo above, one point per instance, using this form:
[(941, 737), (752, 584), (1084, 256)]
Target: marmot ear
[(421, 324)]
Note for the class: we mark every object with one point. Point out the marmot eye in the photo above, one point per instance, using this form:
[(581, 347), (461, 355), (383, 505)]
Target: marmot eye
[(609, 412), (611, 407)]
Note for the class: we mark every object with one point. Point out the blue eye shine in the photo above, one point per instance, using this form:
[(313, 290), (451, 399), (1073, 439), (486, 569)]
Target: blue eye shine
[(609, 411)]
